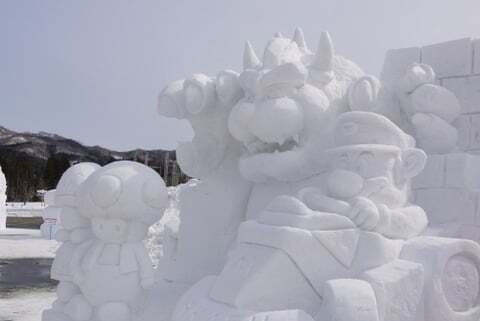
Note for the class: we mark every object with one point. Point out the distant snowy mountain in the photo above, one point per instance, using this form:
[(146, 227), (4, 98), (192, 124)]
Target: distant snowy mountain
[(43, 145), (33, 161)]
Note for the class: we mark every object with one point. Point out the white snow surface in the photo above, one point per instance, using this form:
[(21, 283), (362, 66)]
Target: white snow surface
[(24, 243), (155, 236), (25, 305)]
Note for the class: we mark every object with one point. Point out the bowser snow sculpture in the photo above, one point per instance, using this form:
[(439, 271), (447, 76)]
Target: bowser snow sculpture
[(329, 229)]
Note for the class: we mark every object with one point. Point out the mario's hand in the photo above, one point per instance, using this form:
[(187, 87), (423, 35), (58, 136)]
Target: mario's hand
[(364, 213)]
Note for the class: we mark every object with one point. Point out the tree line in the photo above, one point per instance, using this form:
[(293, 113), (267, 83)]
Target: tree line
[(26, 175)]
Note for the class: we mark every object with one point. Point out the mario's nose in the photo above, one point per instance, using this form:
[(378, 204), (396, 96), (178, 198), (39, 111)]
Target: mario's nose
[(344, 184)]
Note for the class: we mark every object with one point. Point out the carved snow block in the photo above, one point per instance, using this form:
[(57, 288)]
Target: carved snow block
[(433, 173), (196, 305), (289, 315), (396, 63), (398, 288), (463, 126), (444, 205), (467, 90), (462, 171), (475, 132), (451, 266), (349, 300), (255, 277), (452, 58), (469, 231), (476, 58)]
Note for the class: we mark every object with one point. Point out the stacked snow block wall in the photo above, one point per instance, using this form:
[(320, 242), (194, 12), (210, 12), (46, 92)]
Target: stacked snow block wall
[(449, 187)]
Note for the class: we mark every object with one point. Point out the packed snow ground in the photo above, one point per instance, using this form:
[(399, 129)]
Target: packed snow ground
[(24, 243), (25, 304)]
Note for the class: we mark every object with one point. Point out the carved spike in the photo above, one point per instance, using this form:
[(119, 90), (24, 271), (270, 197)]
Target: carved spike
[(299, 38), (250, 59), (325, 52), (278, 34)]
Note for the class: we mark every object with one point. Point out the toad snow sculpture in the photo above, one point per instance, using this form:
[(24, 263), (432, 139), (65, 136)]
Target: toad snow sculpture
[(72, 231), (112, 267), (121, 200)]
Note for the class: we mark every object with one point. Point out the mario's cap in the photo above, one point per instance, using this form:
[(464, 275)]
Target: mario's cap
[(361, 128)]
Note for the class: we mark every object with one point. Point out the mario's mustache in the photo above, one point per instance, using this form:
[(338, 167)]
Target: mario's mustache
[(343, 184)]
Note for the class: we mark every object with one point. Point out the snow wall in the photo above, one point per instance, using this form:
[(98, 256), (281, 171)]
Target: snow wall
[(449, 187)]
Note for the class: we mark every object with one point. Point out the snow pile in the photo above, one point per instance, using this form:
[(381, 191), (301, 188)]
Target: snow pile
[(3, 200), (168, 225)]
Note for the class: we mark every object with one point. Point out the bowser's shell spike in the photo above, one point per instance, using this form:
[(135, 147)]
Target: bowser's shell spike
[(325, 52), (299, 39), (250, 59)]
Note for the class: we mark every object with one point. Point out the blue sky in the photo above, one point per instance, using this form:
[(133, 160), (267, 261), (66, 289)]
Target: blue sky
[(92, 69)]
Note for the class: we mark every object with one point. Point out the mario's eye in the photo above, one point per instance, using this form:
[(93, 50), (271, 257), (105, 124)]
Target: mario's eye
[(342, 161), (364, 161)]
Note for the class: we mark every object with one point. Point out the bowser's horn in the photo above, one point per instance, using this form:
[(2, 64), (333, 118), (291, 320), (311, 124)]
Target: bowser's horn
[(250, 59), (325, 52), (299, 39)]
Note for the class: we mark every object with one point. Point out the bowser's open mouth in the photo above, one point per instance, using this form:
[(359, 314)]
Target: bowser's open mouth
[(260, 147)]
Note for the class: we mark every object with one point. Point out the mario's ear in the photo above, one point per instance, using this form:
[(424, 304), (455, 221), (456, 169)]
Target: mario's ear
[(413, 162)]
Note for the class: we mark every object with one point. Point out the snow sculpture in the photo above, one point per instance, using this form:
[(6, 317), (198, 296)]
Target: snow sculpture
[(199, 247), (424, 109), (50, 216), (72, 231), (356, 222), (112, 267), (3, 200), (329, 231), (283, 118)]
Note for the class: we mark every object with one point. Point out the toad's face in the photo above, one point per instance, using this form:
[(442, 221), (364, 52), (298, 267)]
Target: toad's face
[(110, 230)]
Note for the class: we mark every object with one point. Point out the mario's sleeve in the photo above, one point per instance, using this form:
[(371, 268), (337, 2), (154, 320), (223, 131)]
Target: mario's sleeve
[(403, 223)]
